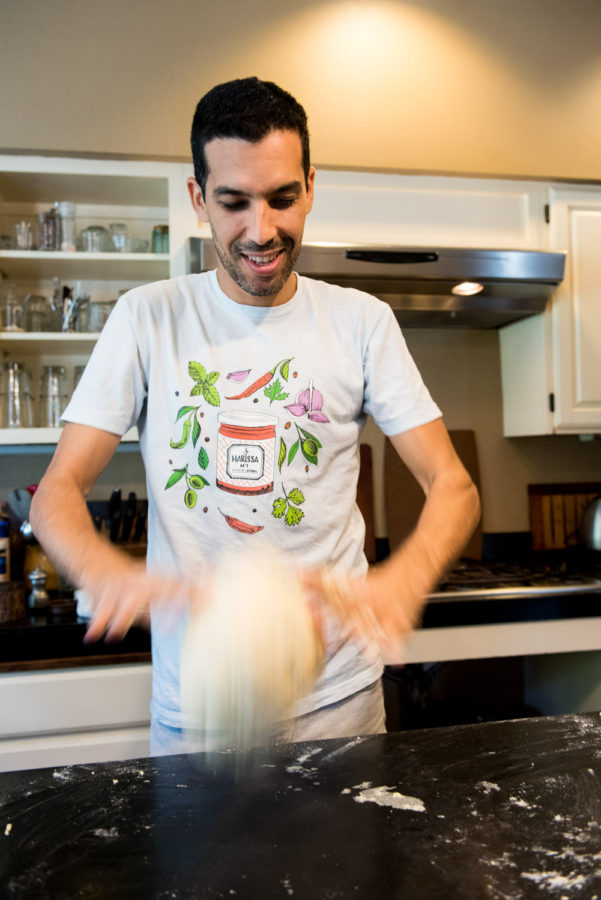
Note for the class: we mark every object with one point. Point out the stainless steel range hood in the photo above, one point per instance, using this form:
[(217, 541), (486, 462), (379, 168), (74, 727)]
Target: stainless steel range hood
[(429, 286)]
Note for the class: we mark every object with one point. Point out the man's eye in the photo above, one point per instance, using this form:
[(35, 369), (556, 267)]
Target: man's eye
[(281, 202), (235, 206)]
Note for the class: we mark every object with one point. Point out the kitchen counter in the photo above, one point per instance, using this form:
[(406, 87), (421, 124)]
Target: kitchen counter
[(44, 641), (498, 810)]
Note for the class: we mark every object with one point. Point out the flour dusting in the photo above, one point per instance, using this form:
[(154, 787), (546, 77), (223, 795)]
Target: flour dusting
[(387, 796), (556, 881)]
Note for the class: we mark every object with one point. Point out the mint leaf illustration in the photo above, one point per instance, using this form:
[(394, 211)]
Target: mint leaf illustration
[(204, 383), (203, 458)]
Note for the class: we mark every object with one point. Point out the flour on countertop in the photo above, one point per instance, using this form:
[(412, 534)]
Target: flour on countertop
[(387, 796)]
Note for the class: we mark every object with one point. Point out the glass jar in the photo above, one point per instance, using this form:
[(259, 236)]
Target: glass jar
[(53, 396), (49, 230), (37, 313), (118, 232), (16, 404), (11, 307), (98, 313), (68, 234), (160, 239)]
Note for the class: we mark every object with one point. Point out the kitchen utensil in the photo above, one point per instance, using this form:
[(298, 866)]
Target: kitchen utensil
[(19, 502), (95, 239), (591, 525), (38, 598), (16, 405), (140, 528), (114, 514), (130, 514), (53, 395)]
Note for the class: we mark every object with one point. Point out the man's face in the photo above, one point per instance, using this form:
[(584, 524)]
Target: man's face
[(256, 202)]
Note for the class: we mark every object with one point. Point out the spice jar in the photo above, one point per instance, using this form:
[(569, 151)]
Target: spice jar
[(160, 239), (246, 453)]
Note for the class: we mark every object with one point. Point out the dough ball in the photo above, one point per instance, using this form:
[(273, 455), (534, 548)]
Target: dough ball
[(249, 652)]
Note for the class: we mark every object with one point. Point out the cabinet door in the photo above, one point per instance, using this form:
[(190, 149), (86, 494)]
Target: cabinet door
[(576, 311)]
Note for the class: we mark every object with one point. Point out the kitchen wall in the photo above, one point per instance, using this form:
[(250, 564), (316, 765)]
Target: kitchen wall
[(459, 86)]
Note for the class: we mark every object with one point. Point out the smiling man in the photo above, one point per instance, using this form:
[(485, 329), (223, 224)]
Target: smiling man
[(250, 386)]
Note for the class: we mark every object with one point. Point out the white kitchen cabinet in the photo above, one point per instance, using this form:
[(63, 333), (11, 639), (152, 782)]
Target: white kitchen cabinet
[(77, 715), (551, 364)]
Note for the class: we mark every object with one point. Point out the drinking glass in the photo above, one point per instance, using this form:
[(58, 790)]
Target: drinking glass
[(16, 405), (53, 395)]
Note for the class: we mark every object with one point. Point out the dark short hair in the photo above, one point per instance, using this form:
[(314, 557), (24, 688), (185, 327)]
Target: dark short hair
[(248, 109)]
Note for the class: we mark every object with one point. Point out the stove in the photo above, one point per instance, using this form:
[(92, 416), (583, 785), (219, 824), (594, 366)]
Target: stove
[(471, 580)]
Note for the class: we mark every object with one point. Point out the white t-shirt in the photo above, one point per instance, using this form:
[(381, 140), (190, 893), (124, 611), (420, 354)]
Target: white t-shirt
[(249, 421)]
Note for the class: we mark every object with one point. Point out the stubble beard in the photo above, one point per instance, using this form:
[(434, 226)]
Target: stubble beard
[(254, 285)]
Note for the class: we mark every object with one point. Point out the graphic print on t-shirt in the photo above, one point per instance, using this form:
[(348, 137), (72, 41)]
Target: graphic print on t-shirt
[(250, 443)]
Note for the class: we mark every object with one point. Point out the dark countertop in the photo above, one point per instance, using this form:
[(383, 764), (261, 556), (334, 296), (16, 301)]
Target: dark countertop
[(497, 810), (44, 641)]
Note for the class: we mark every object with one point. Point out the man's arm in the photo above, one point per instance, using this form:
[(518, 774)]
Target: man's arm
[(389, 602), (118, 585)]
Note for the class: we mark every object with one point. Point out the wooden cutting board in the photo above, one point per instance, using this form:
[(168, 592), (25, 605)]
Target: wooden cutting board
[(404, 497), (556, 512)]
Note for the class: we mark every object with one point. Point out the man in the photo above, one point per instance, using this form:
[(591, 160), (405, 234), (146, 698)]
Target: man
[(250, 387)]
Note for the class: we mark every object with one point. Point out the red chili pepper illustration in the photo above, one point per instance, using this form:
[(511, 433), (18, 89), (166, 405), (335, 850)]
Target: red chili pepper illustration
[(260, 382), (238, 525)]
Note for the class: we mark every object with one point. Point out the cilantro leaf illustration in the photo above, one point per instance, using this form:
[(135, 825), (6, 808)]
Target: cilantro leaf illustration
[(287, 507), (274, 391)]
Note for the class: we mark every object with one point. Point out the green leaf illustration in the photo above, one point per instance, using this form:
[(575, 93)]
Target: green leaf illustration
[(293, 451), (293, 515), (282, 455), (211, 395), (197, 391), (279, 507), (284, 370), (184, 412), (195, 432), (175, 476), (203, 458), (296, 496), (274, 391), (197, 371), (211, 377)]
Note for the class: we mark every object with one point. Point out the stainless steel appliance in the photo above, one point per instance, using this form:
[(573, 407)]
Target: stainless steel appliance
[(429, 286)]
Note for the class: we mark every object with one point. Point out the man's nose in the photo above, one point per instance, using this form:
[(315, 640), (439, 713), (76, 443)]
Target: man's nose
[(262, 226)]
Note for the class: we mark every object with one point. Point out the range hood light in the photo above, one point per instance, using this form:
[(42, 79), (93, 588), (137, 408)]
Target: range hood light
[(467, 288)]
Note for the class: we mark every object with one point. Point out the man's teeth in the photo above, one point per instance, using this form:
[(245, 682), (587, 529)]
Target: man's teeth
[(262, 260)]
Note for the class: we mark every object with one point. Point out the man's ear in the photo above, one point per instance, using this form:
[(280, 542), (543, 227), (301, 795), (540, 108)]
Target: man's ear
[(197, 200)]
